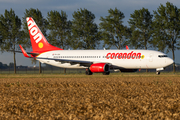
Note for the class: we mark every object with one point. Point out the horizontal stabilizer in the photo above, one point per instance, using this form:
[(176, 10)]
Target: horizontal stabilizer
[(24, 52)]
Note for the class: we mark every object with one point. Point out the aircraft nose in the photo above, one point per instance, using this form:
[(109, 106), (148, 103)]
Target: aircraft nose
[(169, 61)]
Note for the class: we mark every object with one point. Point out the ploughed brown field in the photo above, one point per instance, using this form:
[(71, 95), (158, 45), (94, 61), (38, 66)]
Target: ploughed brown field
[(94, 97)]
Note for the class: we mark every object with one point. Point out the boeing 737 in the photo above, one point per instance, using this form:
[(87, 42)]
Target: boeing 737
[(94, 61)]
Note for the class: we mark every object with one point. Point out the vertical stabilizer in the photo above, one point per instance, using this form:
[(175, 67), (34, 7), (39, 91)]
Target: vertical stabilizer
[(38, 41)]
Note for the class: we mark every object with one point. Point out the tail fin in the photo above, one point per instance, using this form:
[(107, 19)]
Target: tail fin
[(38, 41)]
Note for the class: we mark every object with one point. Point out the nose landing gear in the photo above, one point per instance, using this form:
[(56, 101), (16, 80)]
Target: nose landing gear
[(157, 72)]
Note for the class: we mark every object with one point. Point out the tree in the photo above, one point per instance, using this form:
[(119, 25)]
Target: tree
[(114, 33), (85, 33), (12, 36), (141, 26), (60, 29), (1, 65), (0, 39), (167, 28), (11, 65), (40, 21)]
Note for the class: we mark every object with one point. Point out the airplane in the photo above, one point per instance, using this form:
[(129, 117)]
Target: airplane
[(94, 61)]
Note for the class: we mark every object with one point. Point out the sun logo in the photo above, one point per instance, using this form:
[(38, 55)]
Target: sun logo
[(40, 45), (142, 57)]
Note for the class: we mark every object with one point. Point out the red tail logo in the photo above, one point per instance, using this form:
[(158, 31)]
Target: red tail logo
[(38, 41)]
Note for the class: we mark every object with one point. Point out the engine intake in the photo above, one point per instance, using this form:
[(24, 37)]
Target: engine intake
[(99, 67)]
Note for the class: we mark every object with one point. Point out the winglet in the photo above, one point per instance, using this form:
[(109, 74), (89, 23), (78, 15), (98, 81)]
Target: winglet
[(127, 48), (24, 52)]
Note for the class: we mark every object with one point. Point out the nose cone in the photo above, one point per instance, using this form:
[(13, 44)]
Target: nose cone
[(169, 61)]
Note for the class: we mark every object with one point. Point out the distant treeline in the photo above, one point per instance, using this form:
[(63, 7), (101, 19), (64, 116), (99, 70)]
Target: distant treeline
[(5, 66), (159, 30)]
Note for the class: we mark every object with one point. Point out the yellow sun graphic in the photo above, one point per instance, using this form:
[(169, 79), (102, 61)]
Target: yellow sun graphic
[(142, 57), (40, 45)]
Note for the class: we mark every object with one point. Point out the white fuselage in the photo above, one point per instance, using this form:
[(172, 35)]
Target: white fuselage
[(127, 59)]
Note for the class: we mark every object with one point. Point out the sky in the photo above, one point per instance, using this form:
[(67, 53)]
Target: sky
[(98, 7)]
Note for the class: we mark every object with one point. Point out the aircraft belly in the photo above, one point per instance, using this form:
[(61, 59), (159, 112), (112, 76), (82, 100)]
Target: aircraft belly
[(134, 64), (127, 63)]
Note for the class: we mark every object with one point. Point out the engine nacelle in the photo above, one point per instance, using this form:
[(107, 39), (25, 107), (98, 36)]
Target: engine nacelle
[(128, 70), (99, 67)]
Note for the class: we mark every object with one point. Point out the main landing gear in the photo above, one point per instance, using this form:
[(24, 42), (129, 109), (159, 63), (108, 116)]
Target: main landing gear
[(106, 73), (157, 72), (88, 72)]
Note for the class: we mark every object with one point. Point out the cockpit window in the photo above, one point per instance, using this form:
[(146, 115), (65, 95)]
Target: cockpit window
[(161, 56)]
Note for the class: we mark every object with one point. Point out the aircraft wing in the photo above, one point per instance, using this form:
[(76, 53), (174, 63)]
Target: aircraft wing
[(22, 52), (72, 62)]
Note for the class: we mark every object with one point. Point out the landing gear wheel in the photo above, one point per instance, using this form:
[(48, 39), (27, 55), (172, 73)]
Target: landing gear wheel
[(157, 72), (106, 73), (88, 72)]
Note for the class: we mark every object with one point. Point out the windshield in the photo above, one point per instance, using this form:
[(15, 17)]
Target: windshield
[(162, 56)]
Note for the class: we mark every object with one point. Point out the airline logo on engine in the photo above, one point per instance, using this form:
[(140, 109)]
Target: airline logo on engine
[(130, 55), (33, 30)]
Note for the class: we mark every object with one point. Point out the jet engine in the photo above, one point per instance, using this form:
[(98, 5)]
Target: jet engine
[(99, 67)]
